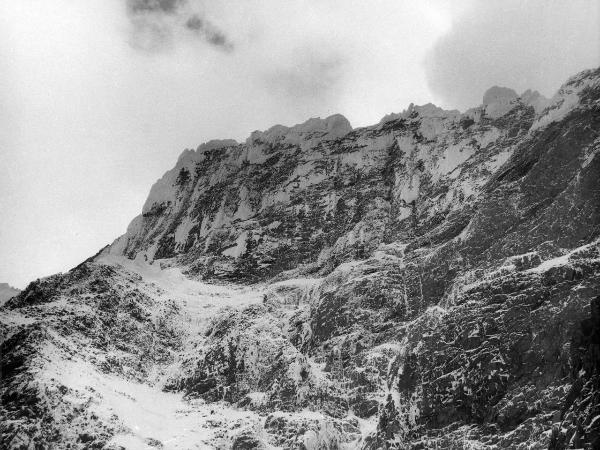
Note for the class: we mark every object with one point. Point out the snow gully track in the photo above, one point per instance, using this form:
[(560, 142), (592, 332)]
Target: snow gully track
[(124, 406)]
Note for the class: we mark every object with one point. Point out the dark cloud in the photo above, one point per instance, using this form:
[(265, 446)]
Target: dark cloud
[(162, 6), (208, 32), (536, 44), (156, 25), (195, 23)]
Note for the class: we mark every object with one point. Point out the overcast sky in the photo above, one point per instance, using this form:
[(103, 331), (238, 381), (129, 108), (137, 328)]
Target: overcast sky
[(99, 97)]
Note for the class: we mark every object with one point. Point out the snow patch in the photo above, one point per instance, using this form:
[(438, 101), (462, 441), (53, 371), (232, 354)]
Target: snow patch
[(565, 100), (330, 128), (239, 248), (183, 230)]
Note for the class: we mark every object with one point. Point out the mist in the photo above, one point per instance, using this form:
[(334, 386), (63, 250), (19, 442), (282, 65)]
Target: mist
[(521, 45)]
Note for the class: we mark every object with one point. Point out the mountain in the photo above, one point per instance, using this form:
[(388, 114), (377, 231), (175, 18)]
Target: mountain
[(7, 291), (431, 281)]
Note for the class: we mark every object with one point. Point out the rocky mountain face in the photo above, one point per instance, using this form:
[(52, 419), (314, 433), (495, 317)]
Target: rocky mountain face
[(432, 281)]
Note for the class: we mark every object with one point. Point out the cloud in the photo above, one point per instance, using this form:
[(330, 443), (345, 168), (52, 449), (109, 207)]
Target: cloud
[(309, 78), (145, 6), (208, 32), (160, 24), (536, 44)]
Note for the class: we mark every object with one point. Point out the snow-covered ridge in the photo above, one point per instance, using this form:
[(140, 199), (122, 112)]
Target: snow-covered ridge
[(427, 110), (332, 127), (567, 98), (216, 191)]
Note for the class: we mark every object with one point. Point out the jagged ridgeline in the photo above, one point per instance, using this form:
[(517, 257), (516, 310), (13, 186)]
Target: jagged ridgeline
[(432, 281)]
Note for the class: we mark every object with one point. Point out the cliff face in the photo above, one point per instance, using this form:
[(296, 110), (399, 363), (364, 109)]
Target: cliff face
[(320, 193), (317, 194), (428, 281)]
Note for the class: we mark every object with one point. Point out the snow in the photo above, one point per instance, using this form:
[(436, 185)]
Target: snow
[(239, 248), (257, 398), (11, 318), (435, 312), (565, 100), (535, 99), (165, 189), (591, 153), (367, 426), (244, 210), (183, 230), (550, 263), (428, 110), (303, 282), (305, 175), (409, 188), (488, 137), (273, 198), (558, 110), (471, 280), (296, 290), (119, 246), (189, 157), (254, 154), (143, 412), (332, 127), (216, 144), (194, 297), (498, 160), (358, 159), (453, 157), (162, 191), (469, 188), (565, 259)]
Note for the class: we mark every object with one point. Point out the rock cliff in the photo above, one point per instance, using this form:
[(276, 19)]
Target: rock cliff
[(432, 281)]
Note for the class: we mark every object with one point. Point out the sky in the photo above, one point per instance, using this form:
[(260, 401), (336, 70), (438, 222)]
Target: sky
[(99, 97)]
